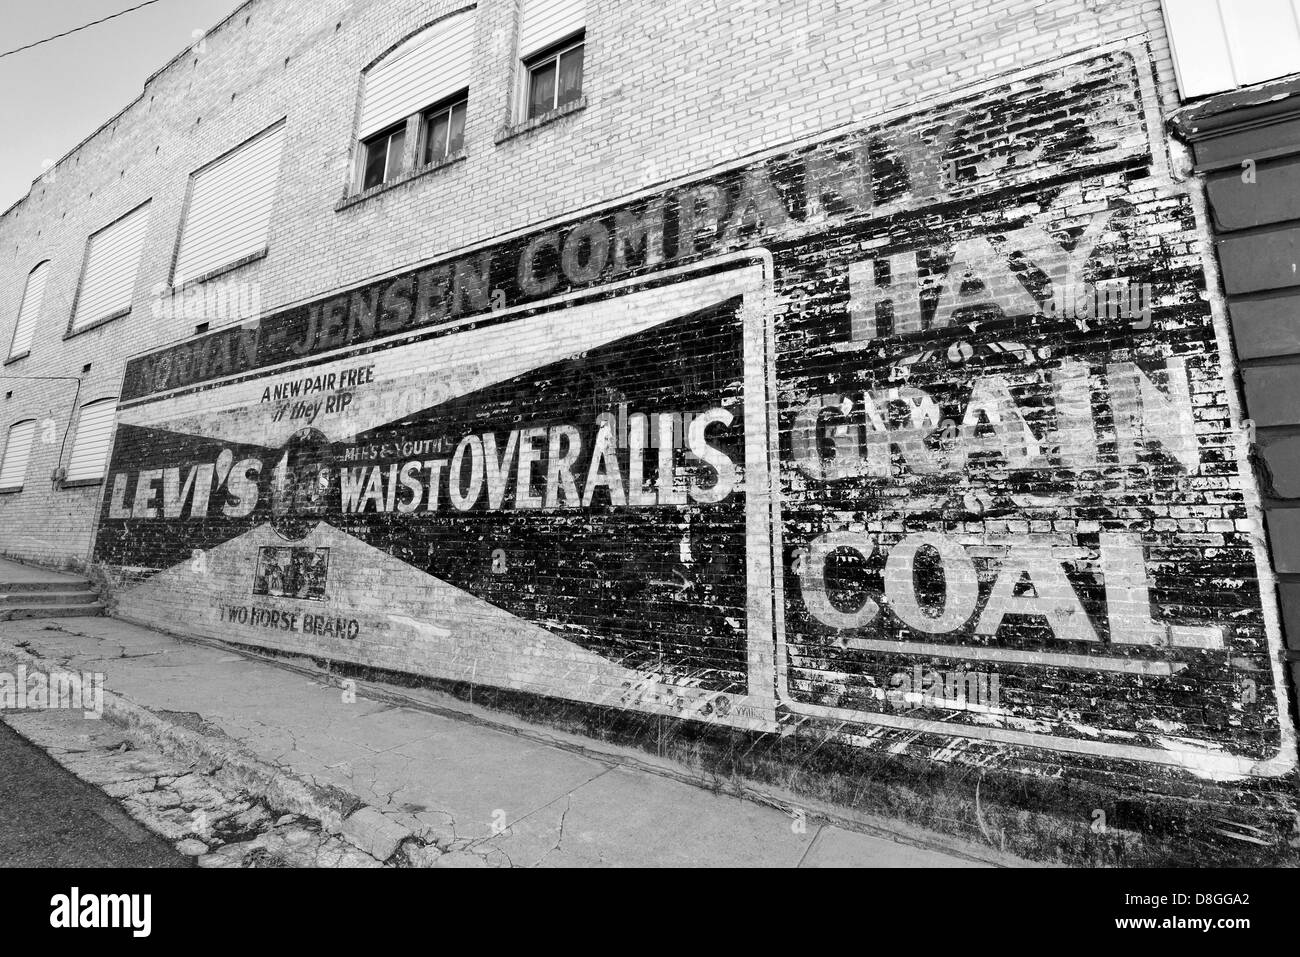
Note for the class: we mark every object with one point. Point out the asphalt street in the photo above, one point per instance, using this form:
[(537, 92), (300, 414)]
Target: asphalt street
[(50, 818)]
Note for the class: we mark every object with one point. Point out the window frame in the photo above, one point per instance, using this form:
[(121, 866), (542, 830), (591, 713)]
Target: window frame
[(366, 145), (27, 285), (536, 61), (4, 455), (428, 115), (73, 329), (279, 127), (460, 25), (68, 481)]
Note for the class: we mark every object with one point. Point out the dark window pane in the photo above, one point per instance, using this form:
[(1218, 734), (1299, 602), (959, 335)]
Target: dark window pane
[(541, 93), (456, 141), (376, 156), (570, 76), (436, 138), (395, 144)]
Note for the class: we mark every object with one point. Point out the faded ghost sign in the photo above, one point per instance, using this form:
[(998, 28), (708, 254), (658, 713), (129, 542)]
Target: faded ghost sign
[(843, 436), (555, 501)]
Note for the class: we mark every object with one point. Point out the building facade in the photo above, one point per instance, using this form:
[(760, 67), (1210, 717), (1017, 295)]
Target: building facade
[(841, 386)]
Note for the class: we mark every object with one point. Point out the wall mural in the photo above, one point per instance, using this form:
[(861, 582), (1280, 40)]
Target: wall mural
[(923, 428)]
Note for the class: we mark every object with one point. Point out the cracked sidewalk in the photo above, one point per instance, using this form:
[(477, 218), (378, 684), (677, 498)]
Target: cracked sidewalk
[(405, 785)]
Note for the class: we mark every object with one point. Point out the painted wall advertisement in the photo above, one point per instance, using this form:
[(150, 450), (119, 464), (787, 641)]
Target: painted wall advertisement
[(924, 426)]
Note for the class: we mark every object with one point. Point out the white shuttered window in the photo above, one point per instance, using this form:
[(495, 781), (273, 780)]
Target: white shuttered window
[(229, 214), (1224, 44), (546, 22), (430, 66), (30, 310), (18, 449), (94, 439), (112, 259)]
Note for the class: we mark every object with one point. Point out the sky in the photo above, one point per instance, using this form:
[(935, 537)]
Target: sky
[(55, 95)]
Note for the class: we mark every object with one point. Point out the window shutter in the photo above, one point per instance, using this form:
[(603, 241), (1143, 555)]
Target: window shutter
[(229, 213), (30, 310), (18, 449), (94, 438), (112, 259), (549, 21), (431, 66), (1220, 45)]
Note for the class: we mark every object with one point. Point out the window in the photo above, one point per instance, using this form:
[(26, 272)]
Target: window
[(108, 276), (29, 310), (93, 441), (383, 156), (228, 215), (1220, 45), (407, 91), (551, 38), (18, 449), (555, 79), (444, 131)]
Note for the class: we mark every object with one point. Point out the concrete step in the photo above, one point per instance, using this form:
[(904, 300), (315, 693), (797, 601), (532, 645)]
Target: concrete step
[(9, 599), (15, 612), (53, 584)]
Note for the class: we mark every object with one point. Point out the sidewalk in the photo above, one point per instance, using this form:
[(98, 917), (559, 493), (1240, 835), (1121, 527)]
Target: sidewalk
[(454, 785)]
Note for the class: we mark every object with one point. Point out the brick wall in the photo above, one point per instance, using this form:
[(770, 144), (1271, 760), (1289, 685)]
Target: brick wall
[(910, 497), (745, 76)]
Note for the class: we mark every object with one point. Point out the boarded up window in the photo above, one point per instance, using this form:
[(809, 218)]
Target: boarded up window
[(18, 449), (1221, 44), (108, 278), (547, 22), (29, 311), (229, 212), (94, 438), (430, 66)]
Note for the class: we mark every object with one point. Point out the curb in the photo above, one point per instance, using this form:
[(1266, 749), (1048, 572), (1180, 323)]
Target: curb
[(337, 811)]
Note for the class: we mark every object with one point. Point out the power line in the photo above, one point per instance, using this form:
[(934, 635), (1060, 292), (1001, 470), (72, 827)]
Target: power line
[(75, 29)]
